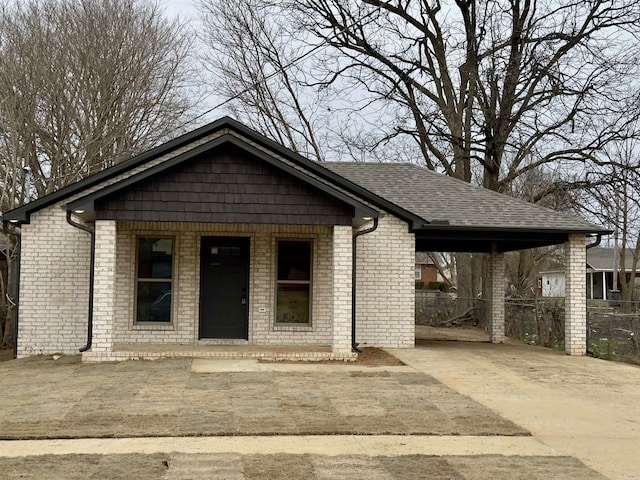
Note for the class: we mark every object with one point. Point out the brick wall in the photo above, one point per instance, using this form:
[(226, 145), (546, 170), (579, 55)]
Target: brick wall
[(496, 297), (386, 286), (54, 285), (575, 296), (341, 283), (55, 276), (428, 273), (104, 292)]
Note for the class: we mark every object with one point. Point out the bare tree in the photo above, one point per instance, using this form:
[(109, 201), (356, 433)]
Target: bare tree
[(486, 91), (254, 61), (615, 200), (84, 84), (508, 87)]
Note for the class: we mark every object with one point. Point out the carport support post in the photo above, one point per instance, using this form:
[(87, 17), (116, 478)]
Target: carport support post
[(104, 292), (342, 258), (496, 296), (575, 316)]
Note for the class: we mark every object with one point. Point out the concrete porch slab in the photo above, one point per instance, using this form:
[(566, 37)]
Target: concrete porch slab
[(274, 353)]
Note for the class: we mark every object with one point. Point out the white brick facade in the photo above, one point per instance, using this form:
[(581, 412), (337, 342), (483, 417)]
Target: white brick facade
[(341, 288), (104, 291), (54, 285), (385, 299), (385, 290), (496, 297), (186, 283), (576, 296)]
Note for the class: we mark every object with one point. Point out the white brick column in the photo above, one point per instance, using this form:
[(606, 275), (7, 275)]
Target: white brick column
[(496, 297), (575, 316), (104, 291), (342, 259)]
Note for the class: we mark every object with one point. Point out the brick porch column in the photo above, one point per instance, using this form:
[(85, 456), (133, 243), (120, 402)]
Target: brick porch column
[(342, 258), (104, 298), (575, 308), (496, 297)]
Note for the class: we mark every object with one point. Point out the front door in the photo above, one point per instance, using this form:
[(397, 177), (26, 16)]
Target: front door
[(224, 287)]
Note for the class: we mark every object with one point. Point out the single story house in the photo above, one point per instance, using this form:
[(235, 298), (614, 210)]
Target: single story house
[(222, 242), (601, 263)]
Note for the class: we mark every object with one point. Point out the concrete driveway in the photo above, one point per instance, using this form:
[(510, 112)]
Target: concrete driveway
[(582, 414), (579, 406)]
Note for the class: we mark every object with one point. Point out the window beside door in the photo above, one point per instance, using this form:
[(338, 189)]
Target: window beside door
[(154, 279), (293, 281)]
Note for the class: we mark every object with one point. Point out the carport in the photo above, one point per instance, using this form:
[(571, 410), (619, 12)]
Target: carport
[(449, 215)]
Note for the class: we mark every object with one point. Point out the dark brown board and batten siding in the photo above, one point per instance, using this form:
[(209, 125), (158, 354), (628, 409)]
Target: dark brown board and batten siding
[(225, 186)]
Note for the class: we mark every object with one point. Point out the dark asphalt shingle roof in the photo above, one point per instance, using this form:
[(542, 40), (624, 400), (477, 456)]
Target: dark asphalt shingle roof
[(414, 194), (433, 196)]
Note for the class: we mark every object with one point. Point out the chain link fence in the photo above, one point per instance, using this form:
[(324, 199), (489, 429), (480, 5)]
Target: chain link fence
[(613, 328)]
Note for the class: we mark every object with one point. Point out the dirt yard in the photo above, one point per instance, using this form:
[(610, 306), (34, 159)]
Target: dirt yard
[(5, 355), (224, 466), (530, 413), (66, 399)]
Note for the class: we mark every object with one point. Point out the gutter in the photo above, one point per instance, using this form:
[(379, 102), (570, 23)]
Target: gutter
[(92, 233), (15, 284), (354, 251)]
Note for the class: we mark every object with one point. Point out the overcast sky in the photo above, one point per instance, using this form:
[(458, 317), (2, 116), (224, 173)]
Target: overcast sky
[(183, 8)]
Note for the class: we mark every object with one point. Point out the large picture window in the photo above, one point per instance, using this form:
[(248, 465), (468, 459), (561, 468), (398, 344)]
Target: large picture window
[(293, 291), (154, 279)]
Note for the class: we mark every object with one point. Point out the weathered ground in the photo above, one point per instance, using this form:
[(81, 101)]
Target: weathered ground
[(426, 333), (226, 466), (6, 355), (582, 413), (44, 398)]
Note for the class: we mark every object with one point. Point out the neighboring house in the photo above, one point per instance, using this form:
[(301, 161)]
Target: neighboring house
[(601, 263), (222, 242), (425, 270)]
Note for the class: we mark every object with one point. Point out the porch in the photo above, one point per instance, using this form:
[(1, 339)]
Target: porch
[(305, 321)]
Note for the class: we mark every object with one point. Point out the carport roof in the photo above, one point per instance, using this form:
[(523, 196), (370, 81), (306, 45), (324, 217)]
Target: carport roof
[(460, 216)]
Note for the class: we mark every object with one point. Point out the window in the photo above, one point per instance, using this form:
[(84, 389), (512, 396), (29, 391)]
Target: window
[(293, 282), (418, 272), (154, 274)]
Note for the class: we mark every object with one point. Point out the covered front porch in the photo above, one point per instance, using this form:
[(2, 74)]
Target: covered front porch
[(273, 292)]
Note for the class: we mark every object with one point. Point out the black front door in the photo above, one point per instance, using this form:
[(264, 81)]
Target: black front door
[(224, 287)]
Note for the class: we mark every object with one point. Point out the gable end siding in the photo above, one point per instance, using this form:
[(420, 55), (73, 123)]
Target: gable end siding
[(226, 186)]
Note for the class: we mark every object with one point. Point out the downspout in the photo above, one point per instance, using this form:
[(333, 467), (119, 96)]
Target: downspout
[(354, 251), (92, 234), (15, 284), (597, 242)]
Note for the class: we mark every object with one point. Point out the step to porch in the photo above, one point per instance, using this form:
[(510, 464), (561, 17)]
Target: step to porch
[(315, 353)]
